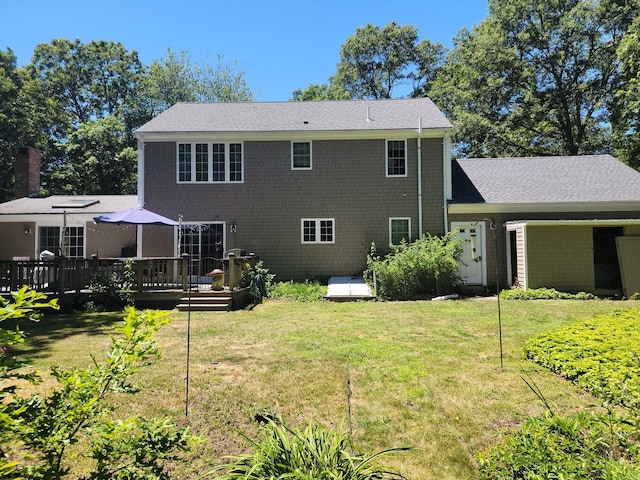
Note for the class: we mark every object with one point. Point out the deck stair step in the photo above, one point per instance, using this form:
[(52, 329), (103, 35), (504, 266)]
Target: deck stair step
[(205, 302)]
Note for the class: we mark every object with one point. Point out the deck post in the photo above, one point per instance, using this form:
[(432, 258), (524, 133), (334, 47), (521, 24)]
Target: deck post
[(61, 274), (232, 270), (13, 276), (185, 271), (139, 274)]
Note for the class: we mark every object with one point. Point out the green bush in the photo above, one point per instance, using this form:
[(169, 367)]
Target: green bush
[(299, 292), (585, 446), (41, 437), (602, 355), (427, 266), (543, 294), (314, 453), (259, 281), (113, 292)]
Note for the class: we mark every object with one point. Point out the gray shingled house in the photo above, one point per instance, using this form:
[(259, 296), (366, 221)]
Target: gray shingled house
[(309, 186), (306, 186)]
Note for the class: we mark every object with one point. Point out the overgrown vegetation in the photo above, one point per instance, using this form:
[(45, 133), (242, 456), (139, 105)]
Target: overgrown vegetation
[(601, 356), (425, 267), (259, 281), (113, 292), (43, 436), (307, 291), (313, 453), (544, 294)]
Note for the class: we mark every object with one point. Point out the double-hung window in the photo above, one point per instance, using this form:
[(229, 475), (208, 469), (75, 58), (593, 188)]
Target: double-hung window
[(210, 163), (399, 229), (396, 158), (301, 156), (318, 230)]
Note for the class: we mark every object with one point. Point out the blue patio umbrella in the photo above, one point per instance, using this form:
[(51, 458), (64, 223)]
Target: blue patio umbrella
[(135, 216)]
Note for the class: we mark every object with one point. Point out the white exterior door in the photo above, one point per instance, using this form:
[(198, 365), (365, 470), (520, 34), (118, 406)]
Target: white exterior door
[(472, 265)]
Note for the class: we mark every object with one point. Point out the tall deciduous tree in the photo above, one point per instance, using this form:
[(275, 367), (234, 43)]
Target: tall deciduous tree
[(375, 62), (627, 122), (535, 77)]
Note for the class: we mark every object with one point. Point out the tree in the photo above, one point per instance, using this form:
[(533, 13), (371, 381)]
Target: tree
[(375, 61), (627, 123), (325, 91), (96, 158), (535, 78)]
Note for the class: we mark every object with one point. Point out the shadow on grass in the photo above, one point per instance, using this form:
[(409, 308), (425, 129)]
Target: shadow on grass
[(54, 326)]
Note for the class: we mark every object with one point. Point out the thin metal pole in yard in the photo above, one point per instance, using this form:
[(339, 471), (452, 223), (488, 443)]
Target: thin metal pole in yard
[(494, 227), (186, 398)]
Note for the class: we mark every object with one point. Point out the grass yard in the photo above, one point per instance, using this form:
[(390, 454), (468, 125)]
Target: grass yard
[(423, 374)]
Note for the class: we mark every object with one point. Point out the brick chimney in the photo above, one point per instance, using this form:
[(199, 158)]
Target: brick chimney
[(26, 169)]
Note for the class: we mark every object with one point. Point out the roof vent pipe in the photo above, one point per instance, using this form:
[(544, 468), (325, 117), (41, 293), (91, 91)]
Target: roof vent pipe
[(368, 114)]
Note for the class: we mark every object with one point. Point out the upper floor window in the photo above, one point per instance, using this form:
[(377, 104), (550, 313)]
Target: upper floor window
[(210, 162), (399, 229), (396, 158), (301, 155), (318, 230)]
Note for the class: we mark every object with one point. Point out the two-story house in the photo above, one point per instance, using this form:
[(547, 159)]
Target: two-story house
[(306, 186)]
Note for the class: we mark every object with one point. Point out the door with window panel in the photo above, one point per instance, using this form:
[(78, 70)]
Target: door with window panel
[(204, 243)]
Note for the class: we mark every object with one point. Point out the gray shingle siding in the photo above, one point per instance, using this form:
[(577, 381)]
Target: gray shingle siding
[(348, 183)]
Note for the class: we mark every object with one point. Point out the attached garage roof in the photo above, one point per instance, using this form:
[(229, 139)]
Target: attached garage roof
[(586, 179)]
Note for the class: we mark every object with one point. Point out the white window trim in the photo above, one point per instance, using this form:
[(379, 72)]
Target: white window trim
[(386, 158), (317, 222), (310, 167), (391, 219), (227, 162)]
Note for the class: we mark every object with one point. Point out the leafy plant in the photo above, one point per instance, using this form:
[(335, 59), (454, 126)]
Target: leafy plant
[(308, 291), (259, 281), (314, 453), (601, 355), (543, 294), (45, 433), (427, 266), (585, 445), (114, 292)]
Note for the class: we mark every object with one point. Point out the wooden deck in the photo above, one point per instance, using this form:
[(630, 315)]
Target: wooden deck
[(159, 282)]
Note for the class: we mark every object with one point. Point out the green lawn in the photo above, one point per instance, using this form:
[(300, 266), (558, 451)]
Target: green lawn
[(423, 374)]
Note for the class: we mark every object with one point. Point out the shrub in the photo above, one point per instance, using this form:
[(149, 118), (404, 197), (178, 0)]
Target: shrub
[(46, 434), (259, 281), (543, 294), (585, 445), (601, 355), (427, 266), (113, 292), (316, 453), (299, 292)]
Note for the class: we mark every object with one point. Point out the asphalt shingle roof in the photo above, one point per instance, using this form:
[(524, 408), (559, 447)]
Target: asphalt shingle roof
[(298, 116), (586, 178), (45, 205)]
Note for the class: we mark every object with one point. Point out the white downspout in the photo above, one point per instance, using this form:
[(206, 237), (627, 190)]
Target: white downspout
[(420, 230), (446, 174), (140, 194)]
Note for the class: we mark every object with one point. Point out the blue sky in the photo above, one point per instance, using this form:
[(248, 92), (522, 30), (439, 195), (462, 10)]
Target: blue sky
[(280, 45)]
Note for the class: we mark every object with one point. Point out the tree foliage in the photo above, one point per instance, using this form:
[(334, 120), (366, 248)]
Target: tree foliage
[(535, 78), (375, 62)]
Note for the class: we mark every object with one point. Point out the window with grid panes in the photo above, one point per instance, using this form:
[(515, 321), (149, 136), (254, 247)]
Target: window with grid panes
[(396, 158), (318, 230)]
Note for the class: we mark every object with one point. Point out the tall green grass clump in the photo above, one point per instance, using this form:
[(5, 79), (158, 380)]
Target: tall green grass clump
[(313, 453), (424, 267), (309, 291)]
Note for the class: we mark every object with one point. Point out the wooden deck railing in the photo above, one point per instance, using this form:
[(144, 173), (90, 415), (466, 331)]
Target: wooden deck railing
[(63, 275)]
